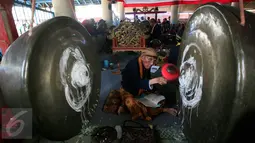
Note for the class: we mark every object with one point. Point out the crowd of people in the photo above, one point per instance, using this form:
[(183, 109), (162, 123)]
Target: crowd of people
[(165, 35), (95, 28), (161, 28), (165, 26), (164, 30)]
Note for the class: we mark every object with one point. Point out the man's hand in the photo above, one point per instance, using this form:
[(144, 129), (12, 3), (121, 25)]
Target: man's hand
[(162, 80), (158, 80)]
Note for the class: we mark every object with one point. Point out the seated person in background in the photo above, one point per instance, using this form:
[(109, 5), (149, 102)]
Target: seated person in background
[(159, 21), (156, 29), (155, 32), (165, 26), (142, 18), (137, 19), (101, 26), (135, 80), (174, 52)]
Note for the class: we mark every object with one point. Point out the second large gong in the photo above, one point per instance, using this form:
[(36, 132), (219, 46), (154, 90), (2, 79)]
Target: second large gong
[(217, 67)]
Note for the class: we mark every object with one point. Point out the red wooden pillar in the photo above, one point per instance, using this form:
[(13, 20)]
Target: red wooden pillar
[(8, 29)]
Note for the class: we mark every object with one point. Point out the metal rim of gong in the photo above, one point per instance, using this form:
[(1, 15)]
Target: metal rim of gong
[(33, 65)]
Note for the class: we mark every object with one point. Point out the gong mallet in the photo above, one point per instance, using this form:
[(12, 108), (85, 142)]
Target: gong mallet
[(170, 72)]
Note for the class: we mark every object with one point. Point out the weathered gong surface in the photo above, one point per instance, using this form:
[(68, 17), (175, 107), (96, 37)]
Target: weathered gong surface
[(56, 72), (217, 65)]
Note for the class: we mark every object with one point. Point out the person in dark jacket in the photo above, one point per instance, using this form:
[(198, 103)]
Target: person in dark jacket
[(136, 74), (135, 80), (156, 29), (165, 26), (174, 52), (155, 32), (159, 21)]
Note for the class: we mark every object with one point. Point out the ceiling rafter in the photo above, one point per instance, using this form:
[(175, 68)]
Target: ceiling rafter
[(78, 2), (46, 4)]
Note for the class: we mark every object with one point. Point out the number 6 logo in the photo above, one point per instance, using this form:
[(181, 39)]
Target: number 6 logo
[(13, 122)]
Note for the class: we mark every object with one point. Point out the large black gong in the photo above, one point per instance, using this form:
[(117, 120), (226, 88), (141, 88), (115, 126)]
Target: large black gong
[(217, 65), (56, 72)]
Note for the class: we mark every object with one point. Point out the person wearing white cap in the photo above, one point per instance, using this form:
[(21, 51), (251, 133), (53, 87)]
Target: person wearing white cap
[(135, 80), (136, 74)]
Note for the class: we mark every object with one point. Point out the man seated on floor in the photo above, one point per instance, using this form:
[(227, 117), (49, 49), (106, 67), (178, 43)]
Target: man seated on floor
[(136, 79)]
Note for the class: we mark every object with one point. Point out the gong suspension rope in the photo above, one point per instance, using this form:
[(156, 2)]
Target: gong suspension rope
[(72, 8), (242, 16), (25, 19), (16, 15), (17, 19), (36, 17), (32, 17)]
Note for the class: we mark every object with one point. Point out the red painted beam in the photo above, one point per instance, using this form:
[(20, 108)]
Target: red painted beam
[(158, 4), (175, 2), (8, 29)]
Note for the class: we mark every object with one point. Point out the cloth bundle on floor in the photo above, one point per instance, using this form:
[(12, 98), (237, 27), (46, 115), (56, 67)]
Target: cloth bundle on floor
[(116, 98)]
